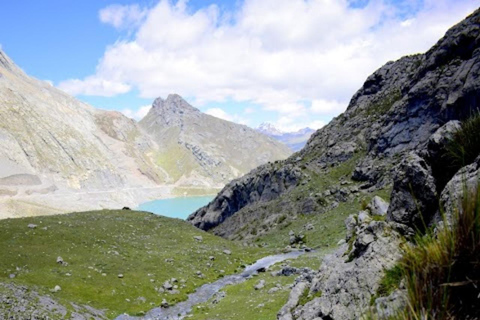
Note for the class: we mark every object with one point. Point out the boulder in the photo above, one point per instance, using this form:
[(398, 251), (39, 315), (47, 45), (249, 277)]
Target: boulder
[(350, 223), (414, 195), (259, 285), (437, 153), (453, 193), (378, 206)]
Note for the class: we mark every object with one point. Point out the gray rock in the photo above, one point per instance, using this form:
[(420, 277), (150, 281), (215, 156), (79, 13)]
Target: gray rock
[(388, 307), (363, 217), (414, 196), (292, 302), (260, 285), (378, 206), (452, 196), (32, 226), (198, 238), (227, 252), (438, 140), (167, 285), (273, 290), (438, 154), (350, 223), (217, 297), (22, 302), (164, 304)]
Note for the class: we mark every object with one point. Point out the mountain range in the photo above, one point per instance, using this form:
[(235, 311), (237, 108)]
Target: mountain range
[(295, 140), (58, 154)]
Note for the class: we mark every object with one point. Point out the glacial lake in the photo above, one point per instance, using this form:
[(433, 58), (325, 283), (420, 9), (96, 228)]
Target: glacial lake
[(180, 207)]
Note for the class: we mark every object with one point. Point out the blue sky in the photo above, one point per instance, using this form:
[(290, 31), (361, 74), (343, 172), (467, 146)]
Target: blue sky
[(290, 62)]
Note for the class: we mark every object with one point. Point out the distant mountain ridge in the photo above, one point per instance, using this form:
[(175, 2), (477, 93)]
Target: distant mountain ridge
[(294, 140), (58, 154), (201, 145)]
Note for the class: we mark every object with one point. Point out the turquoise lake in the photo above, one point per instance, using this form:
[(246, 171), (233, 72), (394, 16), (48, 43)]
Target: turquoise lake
[(180, 207)]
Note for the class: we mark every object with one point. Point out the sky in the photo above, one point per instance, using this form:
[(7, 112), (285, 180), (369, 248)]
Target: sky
[(293, 63)]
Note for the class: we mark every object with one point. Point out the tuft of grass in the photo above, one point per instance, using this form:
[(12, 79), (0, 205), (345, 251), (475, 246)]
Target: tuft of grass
[(390, 281), (308, 296), (443, 272), (384, 104), (464, 146)]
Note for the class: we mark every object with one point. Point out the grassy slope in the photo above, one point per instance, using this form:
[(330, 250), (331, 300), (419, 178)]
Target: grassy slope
[(90, 241)]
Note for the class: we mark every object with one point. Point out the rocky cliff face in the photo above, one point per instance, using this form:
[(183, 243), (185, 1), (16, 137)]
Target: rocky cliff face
[(58, 154), (396, 111), (200, 149), (394, 133)]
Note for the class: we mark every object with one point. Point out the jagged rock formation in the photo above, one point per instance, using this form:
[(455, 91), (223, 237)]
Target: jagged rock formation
[(197, 146), (58, 154), (396, 111), (350, 276), (294, 140)]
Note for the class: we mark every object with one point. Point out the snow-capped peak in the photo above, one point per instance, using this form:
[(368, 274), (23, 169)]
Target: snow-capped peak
[(269, 129)]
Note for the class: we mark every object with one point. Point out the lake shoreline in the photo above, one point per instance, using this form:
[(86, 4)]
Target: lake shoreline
[(176, 207)]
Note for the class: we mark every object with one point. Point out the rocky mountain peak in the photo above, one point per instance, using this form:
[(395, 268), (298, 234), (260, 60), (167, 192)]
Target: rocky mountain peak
[(174, 103), (170, 111), (269, 129)]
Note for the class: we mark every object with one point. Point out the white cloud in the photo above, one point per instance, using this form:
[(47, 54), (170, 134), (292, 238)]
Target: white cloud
[(122, 16), (221, 114), (294, 57), (137, 114), (94, 86), (288, 124), (322, 106)]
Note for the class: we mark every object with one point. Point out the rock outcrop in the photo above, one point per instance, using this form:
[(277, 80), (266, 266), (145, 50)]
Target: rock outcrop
[(396, 111)]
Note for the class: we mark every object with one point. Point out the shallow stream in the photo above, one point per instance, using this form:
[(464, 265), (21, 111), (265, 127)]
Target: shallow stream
[(205, 292)]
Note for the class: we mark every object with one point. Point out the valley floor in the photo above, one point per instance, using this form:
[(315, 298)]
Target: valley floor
[(59, 202)]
